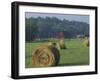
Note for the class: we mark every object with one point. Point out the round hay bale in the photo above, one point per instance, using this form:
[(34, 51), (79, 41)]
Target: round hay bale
[(50, 43), (86, 42), (54, 44), (58, 46), (45, 56), (62, 44)]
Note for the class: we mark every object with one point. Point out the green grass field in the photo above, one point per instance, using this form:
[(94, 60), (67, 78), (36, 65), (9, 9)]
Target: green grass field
[(75, 54)]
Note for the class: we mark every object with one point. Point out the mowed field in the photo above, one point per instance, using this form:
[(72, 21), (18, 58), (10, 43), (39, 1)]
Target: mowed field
[(75, 54)]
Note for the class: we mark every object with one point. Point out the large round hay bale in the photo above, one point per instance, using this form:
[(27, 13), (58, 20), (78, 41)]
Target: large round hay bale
[(45, 56), (62, 44)]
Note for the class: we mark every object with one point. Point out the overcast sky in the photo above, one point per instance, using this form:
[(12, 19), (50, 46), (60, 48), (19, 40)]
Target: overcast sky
[(70, 17)]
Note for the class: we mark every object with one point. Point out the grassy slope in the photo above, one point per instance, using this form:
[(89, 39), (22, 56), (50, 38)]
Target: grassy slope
[(75, 54)]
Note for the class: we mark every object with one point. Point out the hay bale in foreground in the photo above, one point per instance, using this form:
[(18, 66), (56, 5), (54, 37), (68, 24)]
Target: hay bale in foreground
[(62, 44), (45, 56)]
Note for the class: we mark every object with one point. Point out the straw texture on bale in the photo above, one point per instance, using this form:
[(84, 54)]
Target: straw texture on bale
[(45, 56)]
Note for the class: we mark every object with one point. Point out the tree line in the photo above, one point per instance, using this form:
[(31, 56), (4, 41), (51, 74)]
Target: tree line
[(50, 27)]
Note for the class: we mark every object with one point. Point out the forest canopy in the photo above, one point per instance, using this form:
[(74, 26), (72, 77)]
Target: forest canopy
[(50, 27)]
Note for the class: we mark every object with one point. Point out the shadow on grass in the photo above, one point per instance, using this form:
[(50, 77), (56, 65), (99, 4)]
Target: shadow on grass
[(72, 64), (68, 48)]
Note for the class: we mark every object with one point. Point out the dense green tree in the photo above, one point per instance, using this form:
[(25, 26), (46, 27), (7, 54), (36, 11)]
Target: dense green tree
[(31, 29), (49, 27)]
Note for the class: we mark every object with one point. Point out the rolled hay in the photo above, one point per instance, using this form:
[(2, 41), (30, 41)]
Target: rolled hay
[(58, 46), (62, 44), (54, 44), (86, 42), (46, 56)]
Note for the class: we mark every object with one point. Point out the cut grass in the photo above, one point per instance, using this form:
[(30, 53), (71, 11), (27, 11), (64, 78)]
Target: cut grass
[(75, 54)]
